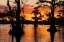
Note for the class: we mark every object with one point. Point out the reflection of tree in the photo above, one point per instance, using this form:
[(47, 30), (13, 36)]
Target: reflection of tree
[(36, 12)]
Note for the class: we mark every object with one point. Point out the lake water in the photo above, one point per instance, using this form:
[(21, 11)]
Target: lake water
[(42, 35)]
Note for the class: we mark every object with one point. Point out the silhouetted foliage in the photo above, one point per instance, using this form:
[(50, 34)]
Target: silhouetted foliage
[(16, 28)]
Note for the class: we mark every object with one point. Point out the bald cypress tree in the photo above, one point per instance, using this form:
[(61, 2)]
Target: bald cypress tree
[(16, 28), (52, 25)]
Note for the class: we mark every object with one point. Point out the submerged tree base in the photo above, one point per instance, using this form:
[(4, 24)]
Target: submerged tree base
[(52, 29)]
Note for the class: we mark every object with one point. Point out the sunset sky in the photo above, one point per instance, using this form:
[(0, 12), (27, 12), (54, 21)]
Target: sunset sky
[(29, 7), (32, 2)]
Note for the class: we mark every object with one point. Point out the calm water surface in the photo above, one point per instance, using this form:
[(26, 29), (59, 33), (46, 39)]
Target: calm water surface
[(42, 34)]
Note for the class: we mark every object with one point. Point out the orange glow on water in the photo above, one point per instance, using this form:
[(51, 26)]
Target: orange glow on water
[(41, 34), (4, 36)]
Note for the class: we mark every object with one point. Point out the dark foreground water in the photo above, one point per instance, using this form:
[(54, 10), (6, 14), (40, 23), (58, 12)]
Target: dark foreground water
[(42, 34)]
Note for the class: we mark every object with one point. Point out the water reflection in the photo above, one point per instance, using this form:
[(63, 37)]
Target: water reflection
[(4, 36), (42, 35), (29, 34)]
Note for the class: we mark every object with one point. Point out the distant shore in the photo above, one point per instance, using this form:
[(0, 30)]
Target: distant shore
[(29, 22)]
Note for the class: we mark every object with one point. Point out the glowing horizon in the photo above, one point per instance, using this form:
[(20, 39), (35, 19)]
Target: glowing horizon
[(29, 7)]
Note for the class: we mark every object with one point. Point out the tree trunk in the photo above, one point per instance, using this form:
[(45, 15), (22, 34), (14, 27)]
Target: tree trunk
[(52, 27)]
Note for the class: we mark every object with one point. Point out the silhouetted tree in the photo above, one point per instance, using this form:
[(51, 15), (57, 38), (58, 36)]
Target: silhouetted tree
[(52, 27), (16, 28), (19, 31), (35, 22), (61, 12), (10, 13), (12, 23), (36, 12)]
